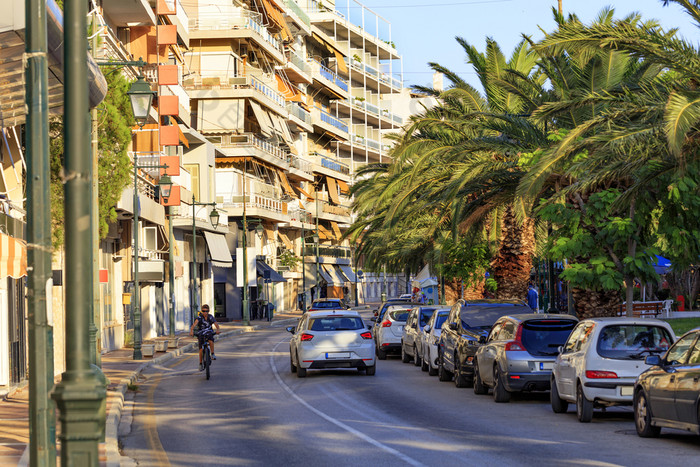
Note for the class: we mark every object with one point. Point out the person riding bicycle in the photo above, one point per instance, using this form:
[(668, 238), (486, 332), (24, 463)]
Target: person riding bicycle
[(205, 321)]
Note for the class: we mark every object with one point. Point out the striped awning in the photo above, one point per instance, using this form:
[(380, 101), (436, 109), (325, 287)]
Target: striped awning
[(13, 257)]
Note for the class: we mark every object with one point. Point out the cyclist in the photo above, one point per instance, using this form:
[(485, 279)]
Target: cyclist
[(205, 321)]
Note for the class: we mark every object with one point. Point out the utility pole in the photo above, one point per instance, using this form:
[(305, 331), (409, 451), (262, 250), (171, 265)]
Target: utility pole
[(79, 395), (42, 421), (95, 357), (246, 309), (171, 277)]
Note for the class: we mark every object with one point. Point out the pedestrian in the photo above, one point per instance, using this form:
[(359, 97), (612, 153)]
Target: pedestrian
[(532, 298)]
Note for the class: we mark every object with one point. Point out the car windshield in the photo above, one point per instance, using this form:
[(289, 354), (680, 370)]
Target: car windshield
[(440, 319), (335, 323), (326, 305), (400, 314), (543, 337), (632, 342), (482, 317), (425, 315)]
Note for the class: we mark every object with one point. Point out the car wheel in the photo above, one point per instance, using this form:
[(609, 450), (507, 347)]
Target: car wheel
[(381, 354), (371, 370), (559, 405), (404, 356), (416, 362), (479, 387), (443, 374), (292, 366), (584, 407), (642, 417), (500, 393), (424, 365), (461, 380)]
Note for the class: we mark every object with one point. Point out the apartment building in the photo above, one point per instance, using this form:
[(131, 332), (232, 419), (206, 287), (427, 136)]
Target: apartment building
[(293, 97)]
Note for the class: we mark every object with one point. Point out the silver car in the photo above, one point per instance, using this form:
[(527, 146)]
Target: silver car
[(410, 342), (389, 331), (430, 339), (601, 360), (331, 339), (519, 353)]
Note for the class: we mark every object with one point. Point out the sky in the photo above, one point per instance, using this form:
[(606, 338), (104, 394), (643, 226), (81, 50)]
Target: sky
[(424, 30)]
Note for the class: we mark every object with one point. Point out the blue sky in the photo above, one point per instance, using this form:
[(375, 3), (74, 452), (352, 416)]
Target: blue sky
[(424, 30)]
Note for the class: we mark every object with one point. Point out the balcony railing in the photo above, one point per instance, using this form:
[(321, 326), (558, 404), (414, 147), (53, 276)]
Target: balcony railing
[(373, 109), (301, 14), (251, 141), (333, 121), (255, 201), (328, 74), (266, 90), (236, 19), (299, 113), (301, 215), (12, 226), (300, 164), (300, 63), (328, 251), (332, 164), (371, 71), (232, 81)]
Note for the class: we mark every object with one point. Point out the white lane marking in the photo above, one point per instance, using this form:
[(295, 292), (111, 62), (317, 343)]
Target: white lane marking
[(336, 422)]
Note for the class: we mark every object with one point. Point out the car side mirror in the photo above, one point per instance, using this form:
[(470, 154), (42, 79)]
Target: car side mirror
[(482, 339), (426, 328), (653, 360), (290, 329), (560, 349), (453, 326)]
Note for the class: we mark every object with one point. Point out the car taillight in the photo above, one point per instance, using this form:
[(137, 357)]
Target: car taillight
[(366, 335), (514, 346), (600, 374), (306, 337), (386, 324)]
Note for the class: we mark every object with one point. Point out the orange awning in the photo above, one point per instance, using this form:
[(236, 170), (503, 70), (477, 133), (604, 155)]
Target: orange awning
[(276, 16), (183, 138), (336, 230), (285, 240), (324, 233), (311, 198), (332, 189), (343, 186), (13, 257), (285, 184)]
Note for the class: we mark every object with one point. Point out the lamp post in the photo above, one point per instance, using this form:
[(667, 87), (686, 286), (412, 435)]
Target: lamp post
[(303, 267), (318, 285), (214, 219)]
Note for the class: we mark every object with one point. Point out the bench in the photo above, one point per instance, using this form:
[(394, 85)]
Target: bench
[(643, 309)]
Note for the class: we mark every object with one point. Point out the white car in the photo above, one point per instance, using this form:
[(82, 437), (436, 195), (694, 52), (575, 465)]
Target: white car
[(331, 339), (429, 339), (601, 360), (389, 331)]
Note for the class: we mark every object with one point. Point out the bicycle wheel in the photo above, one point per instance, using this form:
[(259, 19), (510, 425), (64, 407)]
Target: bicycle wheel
[(207, 360)]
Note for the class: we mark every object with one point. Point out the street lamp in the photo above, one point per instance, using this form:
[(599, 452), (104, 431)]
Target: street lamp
[(141, 97), (214, 219)]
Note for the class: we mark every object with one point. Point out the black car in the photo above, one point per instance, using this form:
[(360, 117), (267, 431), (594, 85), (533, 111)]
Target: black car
[(468, 322), (668, 394)]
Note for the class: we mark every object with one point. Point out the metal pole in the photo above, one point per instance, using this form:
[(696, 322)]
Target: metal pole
[(195, 301), (303, 267), (246, 310), (354, 261), (171, 272), (317, 240), (95, 317), (42, 420), (137, 286), (79, 395)]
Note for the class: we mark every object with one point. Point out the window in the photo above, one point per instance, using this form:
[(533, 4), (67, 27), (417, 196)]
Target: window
[(544, 337), (193, 169), (507, 331), (627, 342), (494, 332), (572, 343), (679, 352)]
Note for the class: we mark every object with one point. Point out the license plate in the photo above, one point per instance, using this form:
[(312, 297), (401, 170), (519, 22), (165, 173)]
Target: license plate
[(330, 355), (626, 390), (546, 365)]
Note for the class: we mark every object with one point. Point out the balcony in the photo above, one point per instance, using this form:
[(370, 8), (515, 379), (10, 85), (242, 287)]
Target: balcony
[(298, 16), (301, 169), (256, 205), (247, 145), (373, 112), (233, 86), (236, 23), (300, 116), (342, 252), (297, 69), (329, 123), (381, 81), (333, 83), (329, 166)]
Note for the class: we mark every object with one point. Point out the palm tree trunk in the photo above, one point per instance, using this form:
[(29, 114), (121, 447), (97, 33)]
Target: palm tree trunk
[(513, 264), (595, 303)]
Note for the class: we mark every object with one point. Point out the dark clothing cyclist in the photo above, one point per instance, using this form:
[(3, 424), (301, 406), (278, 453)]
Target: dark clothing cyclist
[(205, 321)]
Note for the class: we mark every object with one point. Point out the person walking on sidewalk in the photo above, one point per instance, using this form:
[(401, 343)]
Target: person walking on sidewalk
[(205, 321)]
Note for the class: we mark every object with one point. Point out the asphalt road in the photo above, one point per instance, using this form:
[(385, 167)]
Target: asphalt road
[(254, 411)]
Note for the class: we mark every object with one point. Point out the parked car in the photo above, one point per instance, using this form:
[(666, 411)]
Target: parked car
[(601, 360), (389, 331), (331, 339), (519, 353), (389, 304), (410, 342), (469, 321), (668, 394), (328, 304), (429, 340)]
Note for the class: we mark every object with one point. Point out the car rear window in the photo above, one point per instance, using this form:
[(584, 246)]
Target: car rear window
[(632, 342), (335, 323), (542, 337), (326, 305), (440, 320), (481, 317), (399, 315)]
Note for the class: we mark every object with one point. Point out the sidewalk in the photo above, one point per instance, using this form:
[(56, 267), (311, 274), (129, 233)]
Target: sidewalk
[(120, 370)]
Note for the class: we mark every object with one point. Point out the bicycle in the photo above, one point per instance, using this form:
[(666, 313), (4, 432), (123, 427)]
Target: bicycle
[(206, 353)]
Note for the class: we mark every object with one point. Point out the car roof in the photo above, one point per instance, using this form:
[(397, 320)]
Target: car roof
[(625, 320), (537, 316), (492, 302), (324, 313)]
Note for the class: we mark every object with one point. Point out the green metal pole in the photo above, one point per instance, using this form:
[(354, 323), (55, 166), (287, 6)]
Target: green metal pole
[(137, 286), (316, 242), (195, 292), (246, 310), (303, 267), (95, 318), (79, 395), (171, 272), (42, 420)]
